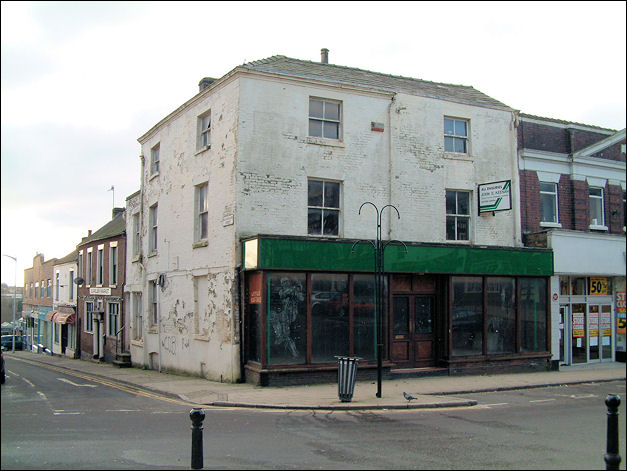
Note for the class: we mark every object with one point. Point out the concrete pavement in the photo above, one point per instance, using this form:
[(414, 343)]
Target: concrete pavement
[(430, 392)]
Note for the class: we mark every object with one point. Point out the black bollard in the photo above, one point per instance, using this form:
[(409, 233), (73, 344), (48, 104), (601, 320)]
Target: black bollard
[(612, 458), (197, 416)]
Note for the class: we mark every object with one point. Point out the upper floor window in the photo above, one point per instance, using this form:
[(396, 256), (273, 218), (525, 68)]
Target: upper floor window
[(89, 267), (113, 265), (324, 118), (457, 215), (71, 285), (456, 135), (57, 286), (136, 234), (81, 273), (204, 131), (201, 212), (548, 202), (154, 159), (152, 219), (597, 217), (49, 289), (99, 265), (323, 207)]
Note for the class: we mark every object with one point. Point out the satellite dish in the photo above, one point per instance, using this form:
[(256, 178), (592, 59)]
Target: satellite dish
[(79, 281)]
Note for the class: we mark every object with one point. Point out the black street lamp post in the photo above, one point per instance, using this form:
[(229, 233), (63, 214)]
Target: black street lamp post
[(379, 270)]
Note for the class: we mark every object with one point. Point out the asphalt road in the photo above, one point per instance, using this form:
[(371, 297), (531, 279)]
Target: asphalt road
[(55, 420)]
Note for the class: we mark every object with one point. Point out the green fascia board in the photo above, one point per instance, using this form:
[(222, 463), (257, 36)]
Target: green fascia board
[(336, 255)]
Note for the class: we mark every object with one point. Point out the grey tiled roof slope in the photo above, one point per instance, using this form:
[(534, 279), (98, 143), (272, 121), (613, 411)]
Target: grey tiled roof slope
[(348, 75), (115, 227), (71, 257), (561, 121)]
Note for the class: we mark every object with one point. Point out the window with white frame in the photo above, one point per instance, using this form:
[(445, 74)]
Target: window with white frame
[(89, 267), (71, 285), (154, 303), (99, 264), (597, 217), (201, 215), (81, 273), (204, 131), (49, 289), (57, 328), (89, 316), (113, 265), (323, 207), (325, 118), (154, 159), (456, 135), (136, 239), (548, 202), (57, 283), (37, 290), (112, 319), (457, 215), (152, 220), (137, 316)]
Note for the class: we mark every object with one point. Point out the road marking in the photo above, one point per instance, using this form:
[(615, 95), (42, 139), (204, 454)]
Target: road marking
[(62, 412), (42, 395), (495, 404), (79, 385), (578, 396), (543, 400)]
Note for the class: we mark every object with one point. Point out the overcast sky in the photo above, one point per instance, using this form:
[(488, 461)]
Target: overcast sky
[(81, 81)]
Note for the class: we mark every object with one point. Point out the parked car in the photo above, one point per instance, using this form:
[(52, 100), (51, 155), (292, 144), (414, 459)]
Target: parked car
[(7, 342)]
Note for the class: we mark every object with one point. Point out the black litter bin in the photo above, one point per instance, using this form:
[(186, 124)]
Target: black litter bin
[(346, 373)]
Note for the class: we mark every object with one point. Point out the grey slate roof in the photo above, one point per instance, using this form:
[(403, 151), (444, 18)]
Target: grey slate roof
[(115, 227), (71, 257), (349, 75), (561, 121)]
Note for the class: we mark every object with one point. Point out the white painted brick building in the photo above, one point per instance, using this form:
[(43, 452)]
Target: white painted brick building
[(268, 178)]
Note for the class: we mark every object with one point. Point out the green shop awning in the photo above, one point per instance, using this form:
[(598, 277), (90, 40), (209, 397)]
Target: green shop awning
[(280, 253)]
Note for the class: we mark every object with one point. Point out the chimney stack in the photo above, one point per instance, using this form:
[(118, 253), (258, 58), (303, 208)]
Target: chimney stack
[(117, 211), (324, 55), (204, 83)]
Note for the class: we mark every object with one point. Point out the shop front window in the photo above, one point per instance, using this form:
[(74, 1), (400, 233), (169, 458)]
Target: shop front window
[(287, 319), (467, 316), (253, 326), (533, 314), (579, 334), (330, 334), (578, 286), (501, 314), (364, 335)]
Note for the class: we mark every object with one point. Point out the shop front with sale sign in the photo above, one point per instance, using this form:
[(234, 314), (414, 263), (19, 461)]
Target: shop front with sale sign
[(588, 293), (590, 318)]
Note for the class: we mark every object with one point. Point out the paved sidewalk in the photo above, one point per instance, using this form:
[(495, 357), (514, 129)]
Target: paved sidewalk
[(430, 392)]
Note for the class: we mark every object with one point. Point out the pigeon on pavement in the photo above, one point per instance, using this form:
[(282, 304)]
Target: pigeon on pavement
[(409, 397)]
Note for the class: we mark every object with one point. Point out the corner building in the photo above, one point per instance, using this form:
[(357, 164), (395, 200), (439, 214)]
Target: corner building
[(245, 262)]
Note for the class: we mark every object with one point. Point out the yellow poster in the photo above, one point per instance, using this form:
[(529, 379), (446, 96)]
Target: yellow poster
[(599, 286)]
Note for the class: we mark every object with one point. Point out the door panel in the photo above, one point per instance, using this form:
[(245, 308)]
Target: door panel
[(413, 321)]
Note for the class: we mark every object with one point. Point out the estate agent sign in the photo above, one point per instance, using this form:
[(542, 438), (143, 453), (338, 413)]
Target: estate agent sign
[(496, 196)]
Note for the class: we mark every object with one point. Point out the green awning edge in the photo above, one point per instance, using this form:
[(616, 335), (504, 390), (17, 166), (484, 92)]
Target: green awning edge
[(292, 253)]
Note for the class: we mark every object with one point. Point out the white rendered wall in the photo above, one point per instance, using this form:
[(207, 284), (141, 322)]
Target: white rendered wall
[(212, 349)]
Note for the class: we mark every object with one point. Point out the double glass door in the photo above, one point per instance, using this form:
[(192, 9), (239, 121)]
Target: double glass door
[(591, 332)]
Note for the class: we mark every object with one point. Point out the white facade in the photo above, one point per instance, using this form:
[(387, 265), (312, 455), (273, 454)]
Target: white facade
[(257, 170), (64, 334)]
